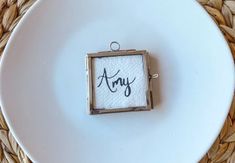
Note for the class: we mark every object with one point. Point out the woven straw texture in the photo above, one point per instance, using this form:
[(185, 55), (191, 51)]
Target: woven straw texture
[(222, 11)]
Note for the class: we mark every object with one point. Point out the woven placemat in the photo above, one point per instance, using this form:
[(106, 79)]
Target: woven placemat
[(222, 11)]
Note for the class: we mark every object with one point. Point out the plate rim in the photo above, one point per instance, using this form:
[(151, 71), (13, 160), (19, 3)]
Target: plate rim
[(2, 61)]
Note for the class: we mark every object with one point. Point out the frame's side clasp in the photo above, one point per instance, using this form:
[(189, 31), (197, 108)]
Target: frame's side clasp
[(153, 76)]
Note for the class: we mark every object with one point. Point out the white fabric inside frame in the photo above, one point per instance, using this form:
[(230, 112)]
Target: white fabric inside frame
[(119, 82)]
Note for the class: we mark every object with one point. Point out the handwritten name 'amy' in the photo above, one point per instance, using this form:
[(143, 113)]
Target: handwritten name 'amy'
[(113, 81)]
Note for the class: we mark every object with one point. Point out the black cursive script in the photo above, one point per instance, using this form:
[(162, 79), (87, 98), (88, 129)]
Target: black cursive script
[(119, 81)]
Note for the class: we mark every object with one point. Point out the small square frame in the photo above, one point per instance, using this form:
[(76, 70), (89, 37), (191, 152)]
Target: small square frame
[(89, 70)]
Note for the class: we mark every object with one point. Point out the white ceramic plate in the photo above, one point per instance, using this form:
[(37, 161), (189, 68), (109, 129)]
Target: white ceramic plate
[(43, 81)]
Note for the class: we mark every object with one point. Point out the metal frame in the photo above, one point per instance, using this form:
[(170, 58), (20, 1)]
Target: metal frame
[(89, 70)]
